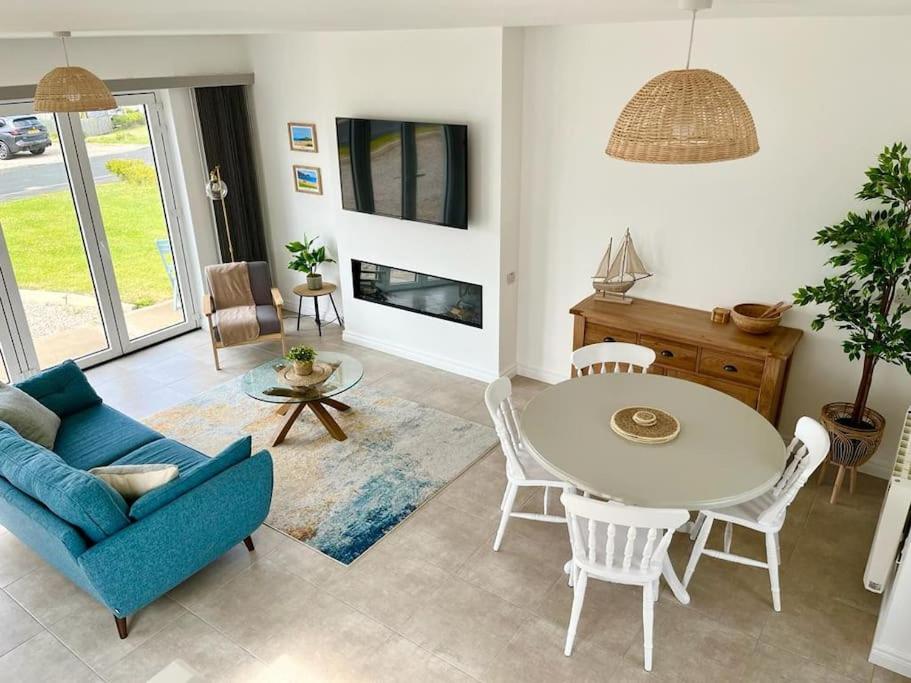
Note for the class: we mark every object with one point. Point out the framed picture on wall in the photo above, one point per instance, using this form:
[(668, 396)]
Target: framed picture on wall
[(308, 179), (302, 137)]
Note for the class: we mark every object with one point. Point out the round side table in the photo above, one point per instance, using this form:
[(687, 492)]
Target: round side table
[(326, 290)]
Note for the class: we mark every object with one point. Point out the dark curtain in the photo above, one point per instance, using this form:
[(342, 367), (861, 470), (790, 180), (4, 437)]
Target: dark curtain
[(227, 141)]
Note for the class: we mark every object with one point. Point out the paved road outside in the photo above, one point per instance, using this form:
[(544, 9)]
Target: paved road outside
[(26, 175)]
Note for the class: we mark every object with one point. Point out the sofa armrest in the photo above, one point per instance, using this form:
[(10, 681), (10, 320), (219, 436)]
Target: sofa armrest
[(277, 300), (145, 560), (208, 305), (153, 501)]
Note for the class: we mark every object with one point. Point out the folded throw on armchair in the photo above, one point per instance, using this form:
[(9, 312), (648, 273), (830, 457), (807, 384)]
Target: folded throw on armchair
[(235, 308)]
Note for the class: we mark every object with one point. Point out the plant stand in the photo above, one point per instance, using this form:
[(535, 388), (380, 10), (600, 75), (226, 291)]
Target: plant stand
[(851, 447), (327, 289)]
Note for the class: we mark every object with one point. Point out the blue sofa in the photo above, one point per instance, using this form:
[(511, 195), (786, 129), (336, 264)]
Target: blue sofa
[(125, 556)]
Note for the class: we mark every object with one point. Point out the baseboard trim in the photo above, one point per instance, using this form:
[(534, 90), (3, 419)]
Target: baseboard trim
[(540, 374), (878, 469), (409, 353), (890, 659)]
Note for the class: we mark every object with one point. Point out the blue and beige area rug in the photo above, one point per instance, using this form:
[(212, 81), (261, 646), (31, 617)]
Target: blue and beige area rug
[(339, 497)]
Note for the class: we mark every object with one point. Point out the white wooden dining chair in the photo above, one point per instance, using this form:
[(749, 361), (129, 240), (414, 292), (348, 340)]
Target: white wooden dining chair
[(766, 513), (607, 357), (522, 470), (621, 544)]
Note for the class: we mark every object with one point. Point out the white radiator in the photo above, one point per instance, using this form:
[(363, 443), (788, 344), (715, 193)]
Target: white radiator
[(893, 518)]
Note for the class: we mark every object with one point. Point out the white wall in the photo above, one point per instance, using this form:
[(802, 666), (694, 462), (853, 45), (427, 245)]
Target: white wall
[(510, 189), (826, 95), (451, 76)]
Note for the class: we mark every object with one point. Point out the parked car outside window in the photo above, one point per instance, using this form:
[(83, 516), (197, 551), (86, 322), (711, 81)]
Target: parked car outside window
[(22, 134)]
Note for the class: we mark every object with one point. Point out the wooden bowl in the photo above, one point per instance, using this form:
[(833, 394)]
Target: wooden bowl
[(746, 318)]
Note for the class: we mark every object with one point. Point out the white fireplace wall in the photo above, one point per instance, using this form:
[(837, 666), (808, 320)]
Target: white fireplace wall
[(449, 76)]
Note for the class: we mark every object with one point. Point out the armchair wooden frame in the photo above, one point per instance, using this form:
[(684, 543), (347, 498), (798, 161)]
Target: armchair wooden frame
[(208, 309)]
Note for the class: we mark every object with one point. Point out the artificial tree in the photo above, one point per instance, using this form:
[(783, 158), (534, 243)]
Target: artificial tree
[(869, 296)]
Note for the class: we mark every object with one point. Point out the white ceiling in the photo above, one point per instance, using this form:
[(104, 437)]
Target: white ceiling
[(107, 17)]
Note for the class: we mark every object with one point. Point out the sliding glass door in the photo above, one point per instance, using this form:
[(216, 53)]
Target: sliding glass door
[(91, 260)]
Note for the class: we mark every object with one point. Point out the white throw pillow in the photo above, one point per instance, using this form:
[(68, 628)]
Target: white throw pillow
[(27, 416), (132, 481)]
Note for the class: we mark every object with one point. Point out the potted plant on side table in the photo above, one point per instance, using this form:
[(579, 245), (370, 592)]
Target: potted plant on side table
[(307, 259), (867, 298)]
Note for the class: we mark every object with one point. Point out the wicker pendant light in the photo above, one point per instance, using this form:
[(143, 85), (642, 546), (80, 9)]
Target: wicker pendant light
[(72, 88), (686, 116)]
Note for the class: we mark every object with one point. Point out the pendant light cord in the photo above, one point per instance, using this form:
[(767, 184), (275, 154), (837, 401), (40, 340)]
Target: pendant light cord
[(63, 35), (66, 54), (689, 52)]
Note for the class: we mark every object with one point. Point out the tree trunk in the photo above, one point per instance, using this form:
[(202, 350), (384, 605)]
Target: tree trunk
[(863, 391), (866, 377)]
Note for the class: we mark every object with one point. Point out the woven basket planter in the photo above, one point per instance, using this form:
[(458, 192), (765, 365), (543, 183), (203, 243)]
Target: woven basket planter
[(851, 447)]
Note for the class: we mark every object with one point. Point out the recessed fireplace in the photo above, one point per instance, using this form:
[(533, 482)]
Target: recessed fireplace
[(431, 295)]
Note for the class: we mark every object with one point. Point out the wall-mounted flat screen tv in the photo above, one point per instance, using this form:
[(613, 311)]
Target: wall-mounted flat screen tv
[(401, 169)]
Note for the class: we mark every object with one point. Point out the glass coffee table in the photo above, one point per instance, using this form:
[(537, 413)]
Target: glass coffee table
[(262, 381)]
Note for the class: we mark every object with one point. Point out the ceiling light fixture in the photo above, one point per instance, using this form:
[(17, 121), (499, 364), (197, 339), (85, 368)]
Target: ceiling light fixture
[(71, 88), (686, 116)]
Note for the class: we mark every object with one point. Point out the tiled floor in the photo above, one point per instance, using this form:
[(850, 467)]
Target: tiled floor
[(432, 601)]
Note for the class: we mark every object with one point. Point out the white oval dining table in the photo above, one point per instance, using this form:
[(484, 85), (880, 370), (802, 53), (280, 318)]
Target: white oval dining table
[(726, 452)]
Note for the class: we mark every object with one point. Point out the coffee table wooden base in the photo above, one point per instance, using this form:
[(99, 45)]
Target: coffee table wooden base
[(319, 409)]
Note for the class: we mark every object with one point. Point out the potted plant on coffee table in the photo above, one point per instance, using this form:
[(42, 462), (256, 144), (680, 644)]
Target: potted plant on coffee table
[(301, 358), (867, 298), (307, 258)]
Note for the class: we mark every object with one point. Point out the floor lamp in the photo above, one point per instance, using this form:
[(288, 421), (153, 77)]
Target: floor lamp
[(216, 190)]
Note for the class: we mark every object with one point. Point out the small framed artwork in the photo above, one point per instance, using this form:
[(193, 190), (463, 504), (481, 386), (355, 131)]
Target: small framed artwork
[(308, 179), (302, 137)]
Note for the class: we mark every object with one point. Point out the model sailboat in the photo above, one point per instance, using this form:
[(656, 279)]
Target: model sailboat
[(615, 278)]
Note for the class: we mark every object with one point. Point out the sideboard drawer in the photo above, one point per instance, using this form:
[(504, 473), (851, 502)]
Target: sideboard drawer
[(670, 353), (731, 367), (595, 334), (747, 395)]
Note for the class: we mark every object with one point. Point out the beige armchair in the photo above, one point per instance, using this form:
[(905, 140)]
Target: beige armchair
[(268, 302)]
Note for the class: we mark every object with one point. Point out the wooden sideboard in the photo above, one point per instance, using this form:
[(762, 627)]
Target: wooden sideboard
[(688, 345)]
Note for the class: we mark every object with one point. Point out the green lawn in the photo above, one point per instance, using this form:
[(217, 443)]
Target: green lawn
[(47, 251), (135, 135)]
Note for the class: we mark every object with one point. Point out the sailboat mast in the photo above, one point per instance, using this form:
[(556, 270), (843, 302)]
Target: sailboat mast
[(604, 266), (623, 263)]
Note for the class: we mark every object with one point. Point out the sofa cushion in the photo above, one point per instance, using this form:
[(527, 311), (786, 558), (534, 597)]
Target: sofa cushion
[(99, 435), (191, 476), (133, 481), (62, 388), (27, 416), (75, 496), (266, 317), (164, 452)]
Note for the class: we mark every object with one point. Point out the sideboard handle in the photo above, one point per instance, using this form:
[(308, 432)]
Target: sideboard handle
[(667, 354), (729, 368), (609, 339)]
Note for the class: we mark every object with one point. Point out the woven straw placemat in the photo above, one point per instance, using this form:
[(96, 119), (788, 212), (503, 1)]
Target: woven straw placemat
[(321, 372), (666, 427)]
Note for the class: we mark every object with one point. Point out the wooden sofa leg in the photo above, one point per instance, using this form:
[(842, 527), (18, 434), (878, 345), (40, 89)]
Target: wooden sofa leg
[(248, 541), (122, 630)]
